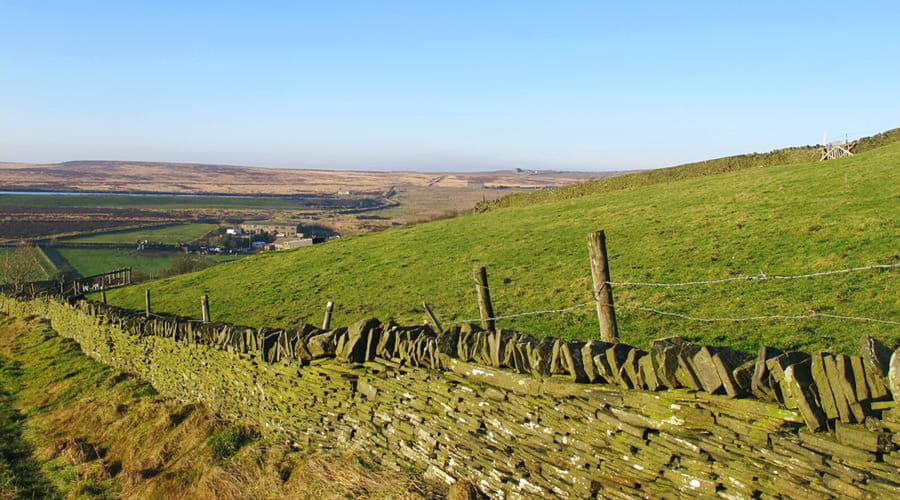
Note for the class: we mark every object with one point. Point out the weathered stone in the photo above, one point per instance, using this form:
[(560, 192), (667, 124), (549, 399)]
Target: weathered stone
[(725, 376), (448, 342), (779, 363), (570, 353), (666, 363), (875, 355), (823, 385), (858, 436), (685, 374), (321, 345), (876, 383), (540, 355), (658, 345), (840, 399), (833, 448), (894, 375), (706, 370), (845, 379), (743, 375), (557, 364), (799, 379), (590, 349), (632, 369), (649, 373), (859, 378), (759, 384), (615, 358)]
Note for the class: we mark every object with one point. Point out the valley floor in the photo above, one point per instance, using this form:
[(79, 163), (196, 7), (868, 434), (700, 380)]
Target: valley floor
[(71, 427)]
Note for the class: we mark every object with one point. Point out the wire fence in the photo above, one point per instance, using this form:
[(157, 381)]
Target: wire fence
[(737, 279), (750, 278)]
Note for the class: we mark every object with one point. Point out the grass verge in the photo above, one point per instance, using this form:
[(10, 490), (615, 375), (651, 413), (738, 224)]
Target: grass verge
[(70, 427)]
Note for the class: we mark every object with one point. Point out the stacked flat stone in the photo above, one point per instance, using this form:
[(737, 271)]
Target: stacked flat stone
[(529, 417)]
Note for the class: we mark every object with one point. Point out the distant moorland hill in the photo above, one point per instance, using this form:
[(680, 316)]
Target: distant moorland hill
[(151, 177), (781, 219)]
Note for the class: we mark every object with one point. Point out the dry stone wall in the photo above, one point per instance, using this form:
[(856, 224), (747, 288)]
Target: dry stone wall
[(523, 417)]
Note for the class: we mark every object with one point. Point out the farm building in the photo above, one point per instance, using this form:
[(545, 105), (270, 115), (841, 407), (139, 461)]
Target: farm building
[(288, 244), (284, 230)]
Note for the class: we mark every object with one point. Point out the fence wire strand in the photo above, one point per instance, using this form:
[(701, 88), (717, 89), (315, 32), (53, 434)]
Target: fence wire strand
[(756, 318), (529, 313), (750, 278), (756, 278)]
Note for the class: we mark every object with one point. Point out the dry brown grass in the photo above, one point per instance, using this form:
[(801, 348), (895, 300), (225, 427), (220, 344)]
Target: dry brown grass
[(115, 176)]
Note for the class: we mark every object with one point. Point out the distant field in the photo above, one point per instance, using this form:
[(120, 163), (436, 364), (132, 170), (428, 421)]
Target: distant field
[(151, 201), (90, 261), (40, 266), (180, 233)]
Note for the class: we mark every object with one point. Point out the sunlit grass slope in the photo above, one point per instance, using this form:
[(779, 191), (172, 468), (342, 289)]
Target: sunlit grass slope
[(778, 220), (785, 156)]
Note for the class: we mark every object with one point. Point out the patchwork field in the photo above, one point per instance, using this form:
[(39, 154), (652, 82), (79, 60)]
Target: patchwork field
[(170, 235), (165, 202), (787, 219)]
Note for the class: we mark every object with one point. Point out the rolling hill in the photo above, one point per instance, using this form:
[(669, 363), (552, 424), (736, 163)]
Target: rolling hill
[(787, 219), (157, 177)]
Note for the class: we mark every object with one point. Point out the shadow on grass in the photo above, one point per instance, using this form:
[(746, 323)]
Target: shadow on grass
[(20, 473)]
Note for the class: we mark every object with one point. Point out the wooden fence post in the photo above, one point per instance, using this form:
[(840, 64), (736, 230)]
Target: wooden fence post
[(103, 296), (485, 307), (204, 308), (326, 323), (147, 302), (606, 313), (128, 277), (434, 321)]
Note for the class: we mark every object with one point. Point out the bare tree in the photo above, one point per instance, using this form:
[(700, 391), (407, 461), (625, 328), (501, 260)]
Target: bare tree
[(17, 267)]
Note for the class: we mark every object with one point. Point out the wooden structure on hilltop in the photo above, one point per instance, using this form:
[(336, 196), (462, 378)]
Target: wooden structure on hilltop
[(837, 149)]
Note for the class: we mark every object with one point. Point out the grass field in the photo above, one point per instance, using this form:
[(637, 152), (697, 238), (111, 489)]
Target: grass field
[(174, 234), (779, 220), (163, 202), (91, 261)]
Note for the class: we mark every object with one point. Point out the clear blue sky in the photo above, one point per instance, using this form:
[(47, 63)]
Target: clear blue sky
[(440, 85)]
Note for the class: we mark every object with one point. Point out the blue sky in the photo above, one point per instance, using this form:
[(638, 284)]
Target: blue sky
[(440, 85)]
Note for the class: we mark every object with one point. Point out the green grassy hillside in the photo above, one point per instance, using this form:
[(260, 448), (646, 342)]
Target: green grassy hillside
[(779, 220), (785, 156)]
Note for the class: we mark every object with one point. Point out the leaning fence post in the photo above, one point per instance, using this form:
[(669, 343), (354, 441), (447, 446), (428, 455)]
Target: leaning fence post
[(434, 321), (606, 313), (484, 298), (204, 308), (147, 302), (103, 296), (326, 323)]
